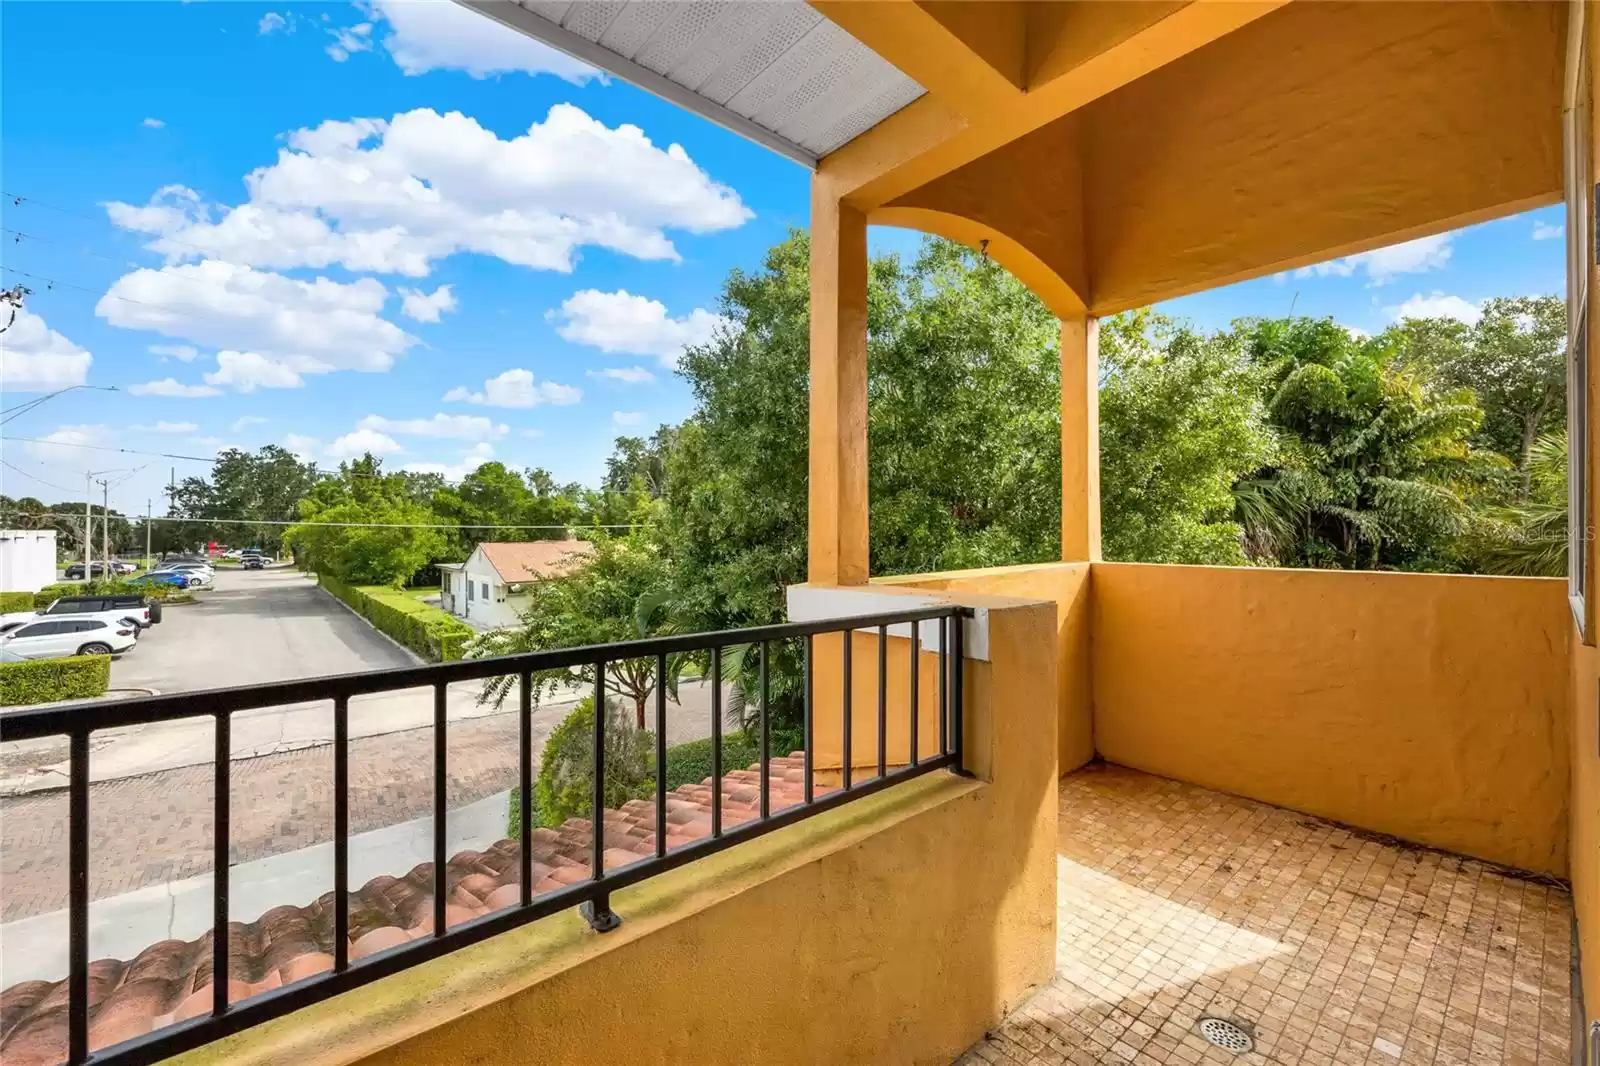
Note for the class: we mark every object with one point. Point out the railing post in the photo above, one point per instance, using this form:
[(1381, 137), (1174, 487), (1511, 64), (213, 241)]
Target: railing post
[(78, 901), (957, 692), (597, 911)]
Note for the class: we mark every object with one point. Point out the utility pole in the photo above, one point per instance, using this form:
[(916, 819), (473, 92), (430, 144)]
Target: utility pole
[(88, 523), (105, 525), (147, 524)]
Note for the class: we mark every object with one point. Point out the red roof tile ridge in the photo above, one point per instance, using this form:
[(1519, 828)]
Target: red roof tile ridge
[(170, 981)]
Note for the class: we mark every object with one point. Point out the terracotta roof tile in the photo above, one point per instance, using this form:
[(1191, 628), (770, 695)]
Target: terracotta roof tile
[(517, 561), (170, 981)]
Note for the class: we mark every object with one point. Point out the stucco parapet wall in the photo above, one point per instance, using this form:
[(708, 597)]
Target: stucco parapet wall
[(367, 1021), (814, 603)]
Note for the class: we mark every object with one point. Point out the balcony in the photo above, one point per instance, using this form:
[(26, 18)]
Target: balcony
[(1115, 812)]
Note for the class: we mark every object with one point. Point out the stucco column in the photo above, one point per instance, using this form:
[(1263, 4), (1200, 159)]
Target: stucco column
[(837, 542), (1080, 438)]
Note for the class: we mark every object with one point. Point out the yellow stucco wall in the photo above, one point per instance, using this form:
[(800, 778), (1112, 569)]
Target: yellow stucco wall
[(1431, 707), (1318, 130), (895, 929), (1067, 586), (1585, 814)]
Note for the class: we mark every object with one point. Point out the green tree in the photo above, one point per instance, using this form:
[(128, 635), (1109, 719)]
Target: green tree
[(245, 498), (1180, 423), (1528, 538), (1375, 466), (614, 596), (1514, 359), (364, 527)]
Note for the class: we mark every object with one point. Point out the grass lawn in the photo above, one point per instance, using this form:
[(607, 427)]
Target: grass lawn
[(422, 592)]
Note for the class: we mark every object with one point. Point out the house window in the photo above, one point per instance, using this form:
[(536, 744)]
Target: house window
[(469, 591), (1580, 251), (485, 590)]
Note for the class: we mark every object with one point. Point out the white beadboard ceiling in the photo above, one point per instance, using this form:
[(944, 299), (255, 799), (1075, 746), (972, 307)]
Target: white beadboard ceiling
[(775, 71)]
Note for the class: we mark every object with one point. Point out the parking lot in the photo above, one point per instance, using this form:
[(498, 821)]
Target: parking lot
[(254, 626)]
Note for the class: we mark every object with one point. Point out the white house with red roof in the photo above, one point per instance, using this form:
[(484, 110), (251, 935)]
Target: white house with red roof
[(489, 590)]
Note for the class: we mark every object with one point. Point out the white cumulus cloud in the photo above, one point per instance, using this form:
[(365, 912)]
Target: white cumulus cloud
[(628, 375), (621, 322), (1382, 265), (153, 123), (249, 371), (68, 442), (247, 421), (304, 448), (35, 358), (626, 418), (393, 196), (173, 387), (473, 458), (516, 388), (453, 427), (1546, 231), (317, 325), (355, 444), (1436, 305), (429, 35), (184, 353), (348, 40), (169, 427), (427, 307)]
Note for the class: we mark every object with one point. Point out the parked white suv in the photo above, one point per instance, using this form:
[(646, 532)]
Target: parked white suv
[(55, 638)]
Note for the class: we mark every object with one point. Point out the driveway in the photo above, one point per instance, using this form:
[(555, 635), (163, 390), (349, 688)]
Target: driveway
[(255, 626), (272, 625)]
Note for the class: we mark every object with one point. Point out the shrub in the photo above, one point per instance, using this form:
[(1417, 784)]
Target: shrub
[(15, 601), (43, 680), (565, 788), (690, 763), (50, 593), (687, 764), (423, 628)]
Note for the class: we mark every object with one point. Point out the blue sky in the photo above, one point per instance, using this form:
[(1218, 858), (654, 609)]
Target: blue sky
[(497, 266)]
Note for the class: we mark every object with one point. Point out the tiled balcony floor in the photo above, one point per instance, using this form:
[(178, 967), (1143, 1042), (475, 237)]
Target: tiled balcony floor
[(1178, 903)]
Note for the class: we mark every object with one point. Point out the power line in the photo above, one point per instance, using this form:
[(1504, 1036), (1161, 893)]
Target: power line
[(23, 200), (355, 525), (40, 480)]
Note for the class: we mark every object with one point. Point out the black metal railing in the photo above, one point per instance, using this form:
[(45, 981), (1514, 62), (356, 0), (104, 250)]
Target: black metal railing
[(592, 896)]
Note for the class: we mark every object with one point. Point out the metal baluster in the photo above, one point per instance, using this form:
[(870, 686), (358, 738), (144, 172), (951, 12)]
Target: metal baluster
[(525, 784), (661, 755), (441, 785), (716, 743), (341, 833), (597, 911), (766, 741), (883, 701), (78, 901), (957, 654), (916, 663), (844, 769), (944, 696), (810, 743), (220, 811)]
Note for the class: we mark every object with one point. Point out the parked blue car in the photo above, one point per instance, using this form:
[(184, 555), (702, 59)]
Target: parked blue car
[(177, 580)]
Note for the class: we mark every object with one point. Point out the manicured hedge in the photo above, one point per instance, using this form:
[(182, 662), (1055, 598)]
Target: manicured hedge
[(15, 601), (43, 680), (425, 629)]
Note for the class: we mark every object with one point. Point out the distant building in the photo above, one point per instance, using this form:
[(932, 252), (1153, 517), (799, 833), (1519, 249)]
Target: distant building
[(488, 589), (27, 559)]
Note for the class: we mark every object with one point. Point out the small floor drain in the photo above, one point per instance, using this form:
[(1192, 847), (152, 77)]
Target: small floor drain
[(1226, 1035)]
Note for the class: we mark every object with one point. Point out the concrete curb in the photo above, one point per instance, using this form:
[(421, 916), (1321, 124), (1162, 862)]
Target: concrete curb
[(415, 658)]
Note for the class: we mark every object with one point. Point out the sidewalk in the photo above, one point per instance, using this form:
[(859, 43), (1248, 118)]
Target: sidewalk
[(35, 949)]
